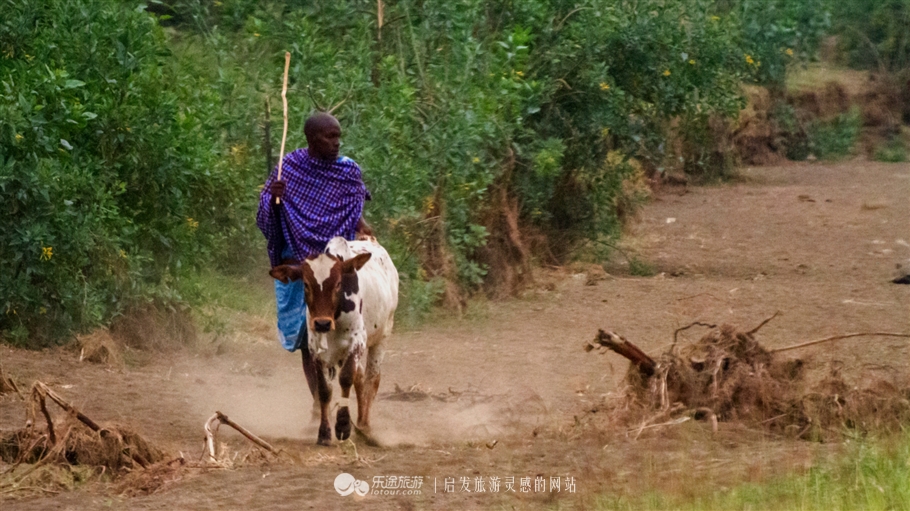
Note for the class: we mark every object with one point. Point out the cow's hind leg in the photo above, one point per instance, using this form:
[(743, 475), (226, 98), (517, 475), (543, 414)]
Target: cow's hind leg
[(346, 379), (324, 391), (370, 387)]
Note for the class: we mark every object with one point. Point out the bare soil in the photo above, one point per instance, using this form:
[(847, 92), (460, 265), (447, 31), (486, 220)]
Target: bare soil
[(506, 390)]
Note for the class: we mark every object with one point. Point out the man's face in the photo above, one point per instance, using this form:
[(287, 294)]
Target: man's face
[(326, 141)]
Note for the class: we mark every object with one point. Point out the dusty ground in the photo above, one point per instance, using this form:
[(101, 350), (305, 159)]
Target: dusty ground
[(818, 242)]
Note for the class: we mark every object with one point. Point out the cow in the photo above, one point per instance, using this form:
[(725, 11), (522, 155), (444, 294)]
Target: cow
[(351, 293)]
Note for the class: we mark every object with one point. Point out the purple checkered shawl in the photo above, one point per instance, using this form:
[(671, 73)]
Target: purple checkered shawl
[(322, 199)]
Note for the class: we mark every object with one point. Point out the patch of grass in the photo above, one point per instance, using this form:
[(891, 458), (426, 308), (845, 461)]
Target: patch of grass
[(815, 76), (895, 151), (640, 268), (873, 475), (250, 293), (834, 139), (416, 299)]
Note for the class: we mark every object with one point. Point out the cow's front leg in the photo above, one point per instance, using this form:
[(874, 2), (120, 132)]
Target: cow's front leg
[(345, 379), (325, 398), (310, 371)]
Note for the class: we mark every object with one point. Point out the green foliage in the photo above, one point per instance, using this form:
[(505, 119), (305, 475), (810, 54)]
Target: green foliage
[(834, 139), (416, 299), (640, 268), (894, 151), (776, 33), (874, 35), (792, 130), (131, 155), (454, 97), (109, 183)]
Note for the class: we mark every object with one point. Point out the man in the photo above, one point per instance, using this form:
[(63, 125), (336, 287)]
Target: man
[(322, 196)]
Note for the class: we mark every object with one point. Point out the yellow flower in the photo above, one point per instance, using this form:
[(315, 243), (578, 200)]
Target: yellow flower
[(255, 34), (476, 160), (667, 72), (42, 310), (19, 137), (715, 18), (692, 61), (123, 253), (193, 224), (789, 51), (749, 59), (604, 86), (519, 74), (47, 253)]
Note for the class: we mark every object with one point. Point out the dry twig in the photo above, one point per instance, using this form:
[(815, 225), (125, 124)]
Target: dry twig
[(690, 325), (763, 323), (836, 338)]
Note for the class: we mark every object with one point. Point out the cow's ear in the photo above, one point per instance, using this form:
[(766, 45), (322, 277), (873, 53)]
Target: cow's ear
[(286, 273), (355, 263)]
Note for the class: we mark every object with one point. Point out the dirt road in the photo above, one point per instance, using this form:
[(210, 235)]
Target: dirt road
[(498, 393)]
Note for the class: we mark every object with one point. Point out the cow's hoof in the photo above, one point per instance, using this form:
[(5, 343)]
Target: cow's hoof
[(343, 424), (325, 435)]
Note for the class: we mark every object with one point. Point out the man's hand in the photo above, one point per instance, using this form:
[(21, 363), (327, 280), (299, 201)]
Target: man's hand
[(364, 229), (277, 190)]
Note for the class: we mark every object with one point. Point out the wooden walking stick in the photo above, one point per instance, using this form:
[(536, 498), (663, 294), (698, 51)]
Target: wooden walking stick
[(284, 102)]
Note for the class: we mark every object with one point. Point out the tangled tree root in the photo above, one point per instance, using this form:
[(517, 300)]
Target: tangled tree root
[(729, 376), (69, 450)]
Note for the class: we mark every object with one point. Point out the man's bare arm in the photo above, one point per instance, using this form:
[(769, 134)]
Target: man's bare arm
[(363, 228)]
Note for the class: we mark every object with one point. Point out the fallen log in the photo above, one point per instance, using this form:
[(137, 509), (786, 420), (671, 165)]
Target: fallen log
[(617, 343)]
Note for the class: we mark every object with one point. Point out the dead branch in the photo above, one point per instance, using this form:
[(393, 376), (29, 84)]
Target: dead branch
[(7, 384), (243, 431), (38, 396), (763, 323), (615, 342), (211, 427), (210, 436), (836, 338), (70, 408), (690, 325), (673, 422)]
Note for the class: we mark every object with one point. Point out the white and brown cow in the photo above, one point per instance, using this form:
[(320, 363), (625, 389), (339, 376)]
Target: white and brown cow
[(351, 295)]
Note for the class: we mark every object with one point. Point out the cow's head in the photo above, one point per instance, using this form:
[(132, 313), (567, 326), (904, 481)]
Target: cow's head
[(326, 279)]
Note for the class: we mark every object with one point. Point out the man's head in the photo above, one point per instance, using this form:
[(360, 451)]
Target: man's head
[(323, 136)]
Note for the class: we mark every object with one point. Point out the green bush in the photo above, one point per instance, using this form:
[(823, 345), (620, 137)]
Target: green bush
[(110, 184), (834, 139), (894, 151)]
